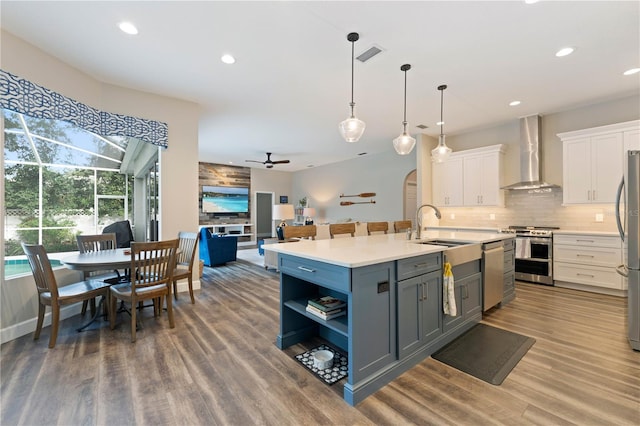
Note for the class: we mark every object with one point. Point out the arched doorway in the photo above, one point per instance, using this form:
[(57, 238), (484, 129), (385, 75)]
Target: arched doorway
[(410, 196)]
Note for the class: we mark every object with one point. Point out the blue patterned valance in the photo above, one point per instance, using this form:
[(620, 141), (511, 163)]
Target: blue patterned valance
[(23, 96)]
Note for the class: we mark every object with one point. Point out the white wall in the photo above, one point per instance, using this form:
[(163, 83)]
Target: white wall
[(382, 173), (178, 164)]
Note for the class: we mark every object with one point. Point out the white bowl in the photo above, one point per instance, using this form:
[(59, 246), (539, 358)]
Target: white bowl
[(323, 359)]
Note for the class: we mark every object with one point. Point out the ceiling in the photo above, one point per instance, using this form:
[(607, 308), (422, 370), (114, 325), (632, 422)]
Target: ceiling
[(291, 83)]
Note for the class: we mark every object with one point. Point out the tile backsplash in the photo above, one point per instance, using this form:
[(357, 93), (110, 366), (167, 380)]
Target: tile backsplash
[(533, 208)]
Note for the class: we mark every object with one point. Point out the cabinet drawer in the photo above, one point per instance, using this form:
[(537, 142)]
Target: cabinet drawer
[(590, 256), (509, 261), (330, 276), (590, 275), (588, 240), (418, 265), (509, 244)]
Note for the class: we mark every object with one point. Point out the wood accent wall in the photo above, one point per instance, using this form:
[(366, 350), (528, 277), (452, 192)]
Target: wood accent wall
[(222, 175)]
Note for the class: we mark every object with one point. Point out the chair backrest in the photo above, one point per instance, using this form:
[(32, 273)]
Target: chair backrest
[(188, 242), (41, 269), (342, 228), (122, 229), (401, 225), (153, 263), (377, 227), (305, 231), (97, 242)]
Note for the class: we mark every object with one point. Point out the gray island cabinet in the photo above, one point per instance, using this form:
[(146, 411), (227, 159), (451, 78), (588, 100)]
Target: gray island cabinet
[(393, 289)]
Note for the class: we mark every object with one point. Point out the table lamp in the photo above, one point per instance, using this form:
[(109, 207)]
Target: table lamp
[(309, 213), (282, 212)]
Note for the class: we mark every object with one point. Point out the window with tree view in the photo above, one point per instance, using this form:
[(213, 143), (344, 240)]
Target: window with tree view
[(60, 181)]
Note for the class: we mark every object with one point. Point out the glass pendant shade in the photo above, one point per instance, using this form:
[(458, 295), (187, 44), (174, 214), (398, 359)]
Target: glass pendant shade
[(441, 152), (404, 143), (352, 128)]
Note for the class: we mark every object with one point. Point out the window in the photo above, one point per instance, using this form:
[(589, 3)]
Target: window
[(60, 181)]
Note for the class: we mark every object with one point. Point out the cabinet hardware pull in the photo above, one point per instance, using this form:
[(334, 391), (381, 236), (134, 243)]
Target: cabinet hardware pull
[(586, 241), (466, 292), (302, 268), (585, 275), (420, 265)]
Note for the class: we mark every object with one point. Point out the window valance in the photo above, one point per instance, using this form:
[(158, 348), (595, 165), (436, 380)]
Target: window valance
[(23, 96)]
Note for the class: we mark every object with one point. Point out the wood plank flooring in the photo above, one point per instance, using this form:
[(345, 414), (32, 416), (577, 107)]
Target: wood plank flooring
[(220, 366)]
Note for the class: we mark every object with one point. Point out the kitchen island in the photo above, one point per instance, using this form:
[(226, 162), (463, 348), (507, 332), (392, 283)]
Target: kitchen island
[(393, 291)]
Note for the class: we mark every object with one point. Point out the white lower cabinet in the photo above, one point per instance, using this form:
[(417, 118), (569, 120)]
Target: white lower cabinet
[(588, 260)]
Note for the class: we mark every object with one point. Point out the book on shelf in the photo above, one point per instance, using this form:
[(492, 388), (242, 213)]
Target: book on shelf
[(327, 303), (321, 312), (325, 316)]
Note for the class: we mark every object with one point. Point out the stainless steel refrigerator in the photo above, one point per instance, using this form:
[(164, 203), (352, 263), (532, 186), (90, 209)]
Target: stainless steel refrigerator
[(629, 227)]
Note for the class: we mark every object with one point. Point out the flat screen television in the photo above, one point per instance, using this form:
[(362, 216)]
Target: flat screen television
[(225, 199)]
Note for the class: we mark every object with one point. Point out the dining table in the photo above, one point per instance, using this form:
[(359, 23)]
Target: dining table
[(101, 260)]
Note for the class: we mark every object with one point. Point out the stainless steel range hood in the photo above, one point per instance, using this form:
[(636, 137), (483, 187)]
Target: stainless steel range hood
[(530, 156)]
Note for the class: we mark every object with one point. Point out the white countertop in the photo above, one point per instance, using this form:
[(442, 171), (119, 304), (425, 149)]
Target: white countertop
[(353, 252)]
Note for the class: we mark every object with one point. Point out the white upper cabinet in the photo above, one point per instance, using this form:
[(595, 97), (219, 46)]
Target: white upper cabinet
[(469, 178), (593, 162), (447, 182), (482, 178)]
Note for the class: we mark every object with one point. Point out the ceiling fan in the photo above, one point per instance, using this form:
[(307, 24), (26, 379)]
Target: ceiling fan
[(269, 163)]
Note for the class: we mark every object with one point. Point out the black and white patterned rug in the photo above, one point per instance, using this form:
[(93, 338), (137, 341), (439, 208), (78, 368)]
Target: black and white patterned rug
[(331, 375)]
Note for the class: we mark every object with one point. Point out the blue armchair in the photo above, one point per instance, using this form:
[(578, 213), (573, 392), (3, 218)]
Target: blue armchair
[(217, 250)]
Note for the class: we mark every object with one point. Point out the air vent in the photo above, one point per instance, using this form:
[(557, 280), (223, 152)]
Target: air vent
[(368, 54), (422, 126)]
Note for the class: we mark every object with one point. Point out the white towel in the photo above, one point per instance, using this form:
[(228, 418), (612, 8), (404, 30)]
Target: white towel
[(448, 292), (523, 248)]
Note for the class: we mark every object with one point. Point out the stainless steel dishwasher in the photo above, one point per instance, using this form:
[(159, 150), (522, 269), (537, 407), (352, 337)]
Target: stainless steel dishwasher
[(492, 274)]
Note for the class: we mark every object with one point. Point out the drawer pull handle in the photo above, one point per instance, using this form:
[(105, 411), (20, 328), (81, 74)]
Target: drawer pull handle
[(585, 275), (302, 268), (421, 265), (585, 255), (586, 241)]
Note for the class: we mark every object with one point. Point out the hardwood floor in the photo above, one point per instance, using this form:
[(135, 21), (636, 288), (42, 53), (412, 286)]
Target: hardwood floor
[(220, 366)]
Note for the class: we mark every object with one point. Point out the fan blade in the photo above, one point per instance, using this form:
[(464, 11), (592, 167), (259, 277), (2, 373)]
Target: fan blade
[(280, 162), (254, 161)]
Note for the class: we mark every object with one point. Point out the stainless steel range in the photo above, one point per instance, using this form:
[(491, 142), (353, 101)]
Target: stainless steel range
[(534, 253)]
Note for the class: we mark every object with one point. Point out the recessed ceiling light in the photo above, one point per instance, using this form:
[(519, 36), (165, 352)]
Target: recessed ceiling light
[(531, 1), (565, 51), (128, 27), (440, 123), (514, 103), (631, 71), (228, 59)]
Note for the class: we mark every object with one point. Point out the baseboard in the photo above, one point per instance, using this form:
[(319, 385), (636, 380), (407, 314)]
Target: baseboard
[(29, 326)]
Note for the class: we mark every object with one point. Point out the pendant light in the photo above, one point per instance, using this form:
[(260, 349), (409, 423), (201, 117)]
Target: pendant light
[(404, 143), (352, 129), (442, 151)]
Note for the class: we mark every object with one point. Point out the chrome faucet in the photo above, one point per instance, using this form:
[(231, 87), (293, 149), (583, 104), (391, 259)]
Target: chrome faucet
[(419, 218)]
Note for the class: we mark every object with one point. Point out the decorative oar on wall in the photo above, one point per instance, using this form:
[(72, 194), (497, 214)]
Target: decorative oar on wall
[(361, 195), (348, 203)]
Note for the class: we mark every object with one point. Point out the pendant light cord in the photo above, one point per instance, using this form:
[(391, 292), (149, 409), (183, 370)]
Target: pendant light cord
[(405, 99), (441, 108), (353, 43)]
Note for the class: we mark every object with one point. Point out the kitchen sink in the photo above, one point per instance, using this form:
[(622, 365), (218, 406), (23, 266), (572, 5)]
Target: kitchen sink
[(458, 252)]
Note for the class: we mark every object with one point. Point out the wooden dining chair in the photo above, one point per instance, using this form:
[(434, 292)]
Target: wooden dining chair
[(88, 243), (401, 225), (188, 242), (49, 294), (304, 231), (152, 266), (377, 227), (342, 228)]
